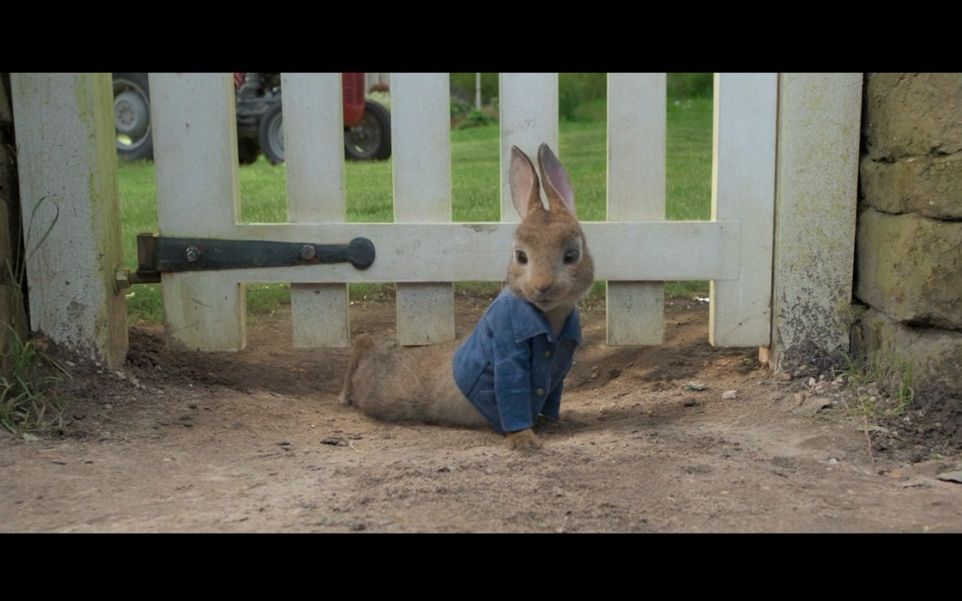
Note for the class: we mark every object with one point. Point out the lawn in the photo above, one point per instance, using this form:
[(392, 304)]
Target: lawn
[(475, 189)]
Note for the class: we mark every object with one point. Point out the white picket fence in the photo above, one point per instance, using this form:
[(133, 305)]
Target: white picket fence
[(195, 153), (423, 252)]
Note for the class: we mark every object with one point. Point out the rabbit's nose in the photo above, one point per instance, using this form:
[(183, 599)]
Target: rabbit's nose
[(542, 289)]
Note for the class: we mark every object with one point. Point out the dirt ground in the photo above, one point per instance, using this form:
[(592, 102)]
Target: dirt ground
[(256, 441)]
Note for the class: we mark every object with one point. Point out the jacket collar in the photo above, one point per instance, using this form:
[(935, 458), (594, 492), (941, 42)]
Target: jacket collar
[(528, 321)]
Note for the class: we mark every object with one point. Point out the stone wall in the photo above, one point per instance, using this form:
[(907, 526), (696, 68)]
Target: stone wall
[(909, 238)]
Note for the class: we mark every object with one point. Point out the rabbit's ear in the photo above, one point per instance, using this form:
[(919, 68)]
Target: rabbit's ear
[(525, 190), (557, 186)]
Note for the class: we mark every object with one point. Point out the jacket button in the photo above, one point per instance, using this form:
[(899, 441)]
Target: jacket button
[(539, 392), (547, 354)]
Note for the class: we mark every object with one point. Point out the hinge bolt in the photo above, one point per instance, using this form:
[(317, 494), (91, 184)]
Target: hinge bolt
[(308, 252), (192, 254), (121, 279)]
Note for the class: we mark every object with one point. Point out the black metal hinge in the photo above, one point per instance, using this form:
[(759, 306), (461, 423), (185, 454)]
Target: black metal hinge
[(158, 254)]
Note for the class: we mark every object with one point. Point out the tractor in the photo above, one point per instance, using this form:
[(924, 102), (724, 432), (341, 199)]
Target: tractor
[(367, 124)]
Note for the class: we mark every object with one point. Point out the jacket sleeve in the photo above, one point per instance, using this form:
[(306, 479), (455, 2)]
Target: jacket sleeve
[(552, 404), (512, 382)]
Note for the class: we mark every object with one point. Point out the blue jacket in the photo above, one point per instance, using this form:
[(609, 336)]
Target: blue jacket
[(511, 368)]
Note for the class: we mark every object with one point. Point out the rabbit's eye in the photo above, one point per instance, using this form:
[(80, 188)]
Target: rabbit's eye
[(521, 257), (571, 257)]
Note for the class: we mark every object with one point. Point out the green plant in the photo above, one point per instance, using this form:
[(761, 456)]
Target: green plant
[(462, 86), (459, 107), (690, 85), (16, 271), (28, 401), (576, 89), (881, 386), (475, 118)]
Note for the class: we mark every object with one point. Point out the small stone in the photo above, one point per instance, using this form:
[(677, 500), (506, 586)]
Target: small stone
[(873, 428), (833, 461), (951, 477), (79, 416), (358, 527), (696, 386), (121, 375), (336, 441), (810, 382), (914, 482), (688, 403), (108, 406), (729, 395), (812, 405), (445, 469)]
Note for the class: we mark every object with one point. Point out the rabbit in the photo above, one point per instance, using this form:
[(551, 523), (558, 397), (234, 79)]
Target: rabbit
[(509, 372)]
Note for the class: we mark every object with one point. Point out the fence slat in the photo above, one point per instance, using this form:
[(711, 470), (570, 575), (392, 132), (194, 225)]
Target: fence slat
[(421, 147), (636, 191), (816, 198), (195, 155), (743, 189), (444, 252), (314, 157), (529, 117), (201, 311)]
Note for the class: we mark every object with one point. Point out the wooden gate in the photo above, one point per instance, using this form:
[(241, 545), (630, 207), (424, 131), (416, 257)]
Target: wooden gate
[(423, 251), (770, 282)]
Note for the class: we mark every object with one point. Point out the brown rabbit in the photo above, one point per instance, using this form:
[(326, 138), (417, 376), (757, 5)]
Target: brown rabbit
[(512, 367)]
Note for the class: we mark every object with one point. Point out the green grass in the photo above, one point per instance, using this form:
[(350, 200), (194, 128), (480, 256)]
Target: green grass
[(881, 386), (475, 191), (28, 401)]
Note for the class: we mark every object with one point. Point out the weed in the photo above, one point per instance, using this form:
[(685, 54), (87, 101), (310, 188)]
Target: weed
[(881, 386)]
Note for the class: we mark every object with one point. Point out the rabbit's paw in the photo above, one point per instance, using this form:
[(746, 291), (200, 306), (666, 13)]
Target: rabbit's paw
[(523, 440)]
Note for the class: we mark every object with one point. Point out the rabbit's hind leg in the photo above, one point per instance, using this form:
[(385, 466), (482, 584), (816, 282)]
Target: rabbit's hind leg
[(362, 347)]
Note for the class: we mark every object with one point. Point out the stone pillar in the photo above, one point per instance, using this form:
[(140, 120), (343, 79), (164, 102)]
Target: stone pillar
[(67, 163)]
